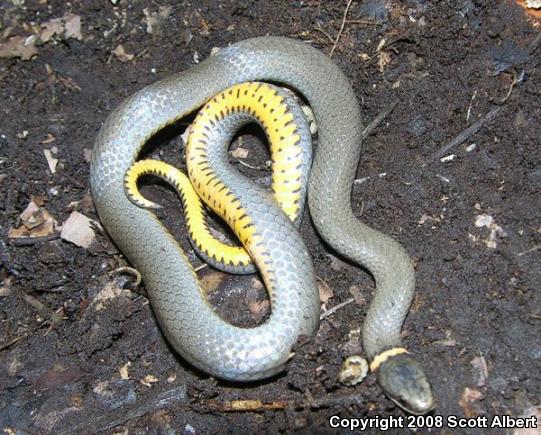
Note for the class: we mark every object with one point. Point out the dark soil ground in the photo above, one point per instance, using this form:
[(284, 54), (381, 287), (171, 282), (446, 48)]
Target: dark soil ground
[(80, 355)]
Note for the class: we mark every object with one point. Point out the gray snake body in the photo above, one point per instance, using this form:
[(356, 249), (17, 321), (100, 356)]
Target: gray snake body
[(192, 327)]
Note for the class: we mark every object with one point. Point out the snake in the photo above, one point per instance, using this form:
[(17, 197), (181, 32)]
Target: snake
[(285, 124), (192, 327)]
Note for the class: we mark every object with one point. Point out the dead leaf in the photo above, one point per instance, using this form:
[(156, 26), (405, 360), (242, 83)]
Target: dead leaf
[(5, 289), (121, 54), (72, 24), (155, 20), (66, 27), (50, 138), (148, 380), (51, 161), (109, 292), (384, 59), (124, 371), (16, 47), (68, 83), (172, 377), (78, 230), (211, 281), (355, 292), (87, 203), (50, 28), (259, 309), (87, 153), (428, 218), (325, 291), (467, 402), (36, 222), (40, 200), (480, 364), (240, 153), (487, 221)]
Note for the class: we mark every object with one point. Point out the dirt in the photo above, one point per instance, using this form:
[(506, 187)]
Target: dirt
[(81, 353)]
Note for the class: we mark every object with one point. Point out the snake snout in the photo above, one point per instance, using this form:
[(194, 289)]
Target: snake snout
[(404, 382)]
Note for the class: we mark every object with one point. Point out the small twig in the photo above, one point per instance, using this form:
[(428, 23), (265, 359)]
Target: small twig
[(43, 310), (320, 29), (341, 28), (472, 129), (200, 267), (367, 22), (11, 342), (70, 178), (469, 107), (527, 251), (342, 401), (336, 308), (27, 241), (378, 119), (511, 86), (257, 168)]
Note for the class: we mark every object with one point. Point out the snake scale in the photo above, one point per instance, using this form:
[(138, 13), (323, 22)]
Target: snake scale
[(189, 323)]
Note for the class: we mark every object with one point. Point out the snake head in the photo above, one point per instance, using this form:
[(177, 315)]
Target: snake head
[(404, 382)]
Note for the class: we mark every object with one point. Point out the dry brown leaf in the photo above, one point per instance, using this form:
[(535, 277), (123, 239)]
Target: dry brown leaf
[(325, 292), (36, 222), (78, 230), (68, 83), (259, 309), (468, 400), (121, 54), (15, 47), (211, 281), (355, 292), (87, 203)]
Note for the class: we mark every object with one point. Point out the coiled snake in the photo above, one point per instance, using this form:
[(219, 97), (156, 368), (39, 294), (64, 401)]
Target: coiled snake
[(191, 326)]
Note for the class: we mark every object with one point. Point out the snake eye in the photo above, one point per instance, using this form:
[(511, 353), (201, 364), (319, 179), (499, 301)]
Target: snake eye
[(404, 382)]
